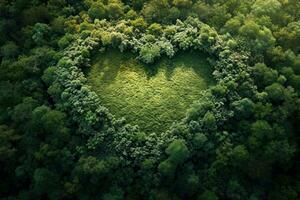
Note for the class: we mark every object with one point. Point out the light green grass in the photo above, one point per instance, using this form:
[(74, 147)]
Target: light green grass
[(151, 96)]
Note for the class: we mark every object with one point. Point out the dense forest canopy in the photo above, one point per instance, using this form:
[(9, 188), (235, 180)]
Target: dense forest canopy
[(238, 140)]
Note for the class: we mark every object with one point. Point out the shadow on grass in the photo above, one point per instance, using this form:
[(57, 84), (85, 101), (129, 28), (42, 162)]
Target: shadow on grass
[(152, 96), (114, 59)]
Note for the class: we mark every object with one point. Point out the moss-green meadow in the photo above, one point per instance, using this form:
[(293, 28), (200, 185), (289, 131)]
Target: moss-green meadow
[(152, 96)]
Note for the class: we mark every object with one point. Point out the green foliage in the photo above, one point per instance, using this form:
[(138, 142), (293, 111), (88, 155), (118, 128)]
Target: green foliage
[(261, 37), (208, 195), (199, 140), (290, 35), (260, 131), (45, 182), (8, 138), (149, 52), (275, 92), (22, 111), (9, 50), (264, 75), (115, 9), (243, 107), (240, 155), (97, 10), (209, 121), (235, 190), (177, 152), (167, 168), (8, 156), (40, 33), (269, 7), (115, 194), (238, 139), (155, 29)]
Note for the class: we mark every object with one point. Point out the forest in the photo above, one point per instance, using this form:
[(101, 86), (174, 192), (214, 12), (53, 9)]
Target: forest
[(150, 99)]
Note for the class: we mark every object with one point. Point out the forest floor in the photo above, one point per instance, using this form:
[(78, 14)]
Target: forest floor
[(152, 96)]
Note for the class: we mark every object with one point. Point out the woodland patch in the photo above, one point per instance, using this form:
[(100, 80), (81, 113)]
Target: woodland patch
[(70, 71)]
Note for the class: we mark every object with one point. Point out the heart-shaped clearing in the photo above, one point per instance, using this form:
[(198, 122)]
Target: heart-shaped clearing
[(152, 96)]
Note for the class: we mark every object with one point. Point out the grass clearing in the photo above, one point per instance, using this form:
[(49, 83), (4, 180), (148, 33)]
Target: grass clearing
[(151, 96)]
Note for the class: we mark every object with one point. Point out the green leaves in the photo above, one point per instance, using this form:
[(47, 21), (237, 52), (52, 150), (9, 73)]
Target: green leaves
[(243, 108), (9, 50), (199, 140), (264, 75), (178, 153), (209, 150), (266, 7), (97, 10), (208, 195), (112, 10), (275, 92), (149, 52), (41, 33), (209, 121), (8, 137), (261, 37)]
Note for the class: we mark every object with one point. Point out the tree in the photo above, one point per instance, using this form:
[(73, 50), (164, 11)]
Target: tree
[(199, 140), (289, 35), (290, 77), (33, 14), (9, 50), (139, 23), (41, 33), (260, 131), (209, 121), (115, 9), (97, 10), (202, 10), (9, 154), (240, 155), (275, 92), (149, 52), (155, 29), (177, 151), (114, 194), (235, 190), (131, 14), (243, 108), (219, 90), (65, 40), (166, 168), (264, 75), (22, 112), (250, 29), (138, 4), (279, 151), (47, 183), (285, 192), (156, 11), (54, 121), (232, 25), (259, 38), (49, 75), (182, 3), (219, 15), (266, 7), (208, 195)]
